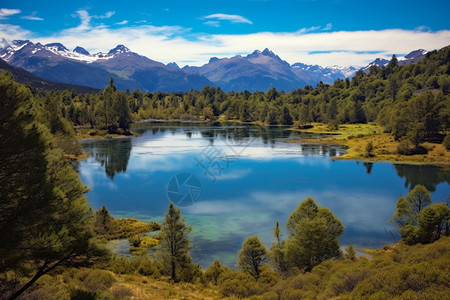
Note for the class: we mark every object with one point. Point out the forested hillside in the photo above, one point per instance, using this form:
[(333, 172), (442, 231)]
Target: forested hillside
[(412, 102)]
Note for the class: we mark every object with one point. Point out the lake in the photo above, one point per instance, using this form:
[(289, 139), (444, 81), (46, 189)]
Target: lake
[(232, 181)]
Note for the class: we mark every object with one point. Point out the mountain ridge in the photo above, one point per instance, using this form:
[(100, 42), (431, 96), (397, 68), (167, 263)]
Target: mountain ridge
[(259, 70)]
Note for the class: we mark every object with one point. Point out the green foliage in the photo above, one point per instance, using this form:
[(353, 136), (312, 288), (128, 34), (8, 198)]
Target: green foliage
[(350, 252), (239, 285), (408, 208), (43, 213), (313, 236), (175, 244), (103, 220), (252, 256), (149, 267), (446, 142), (369, 149), (418, 221), (214, 271)]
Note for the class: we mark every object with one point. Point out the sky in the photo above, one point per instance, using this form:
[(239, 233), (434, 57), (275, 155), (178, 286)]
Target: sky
[(323, 32)]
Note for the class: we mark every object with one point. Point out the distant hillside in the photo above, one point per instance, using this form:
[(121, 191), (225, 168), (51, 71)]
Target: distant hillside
[(29, 79)]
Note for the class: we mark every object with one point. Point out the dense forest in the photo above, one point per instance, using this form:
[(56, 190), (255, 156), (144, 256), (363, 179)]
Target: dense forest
[(50, 234), (412, 102)]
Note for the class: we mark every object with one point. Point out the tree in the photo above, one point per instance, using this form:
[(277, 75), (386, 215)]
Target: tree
[(369, 149), (214, 271), (252, 256), (392, 63), (277, 253), (123, 111), (409, 208), (175, 244), (45, 221), (432, 221), (286, 117), (332, 110), (313, 235), (103, 219), (418, 221), (350, 252)]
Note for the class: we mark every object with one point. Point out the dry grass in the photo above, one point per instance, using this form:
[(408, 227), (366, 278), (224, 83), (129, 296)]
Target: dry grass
[(142, 287), (87, 133)]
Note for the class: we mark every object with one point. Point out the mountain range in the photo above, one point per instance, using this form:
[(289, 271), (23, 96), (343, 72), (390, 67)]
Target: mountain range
[(260, 70), (33, 81)]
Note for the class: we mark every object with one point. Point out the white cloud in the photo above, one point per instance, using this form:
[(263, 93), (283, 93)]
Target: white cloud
[(122, 23), (13, 32), (328, 27), (312, 45), (231, 18), (7, 12), (212, 23), (107, 15), (32, 17)]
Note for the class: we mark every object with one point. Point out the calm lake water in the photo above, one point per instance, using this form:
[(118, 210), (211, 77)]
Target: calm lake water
[(233, 181)]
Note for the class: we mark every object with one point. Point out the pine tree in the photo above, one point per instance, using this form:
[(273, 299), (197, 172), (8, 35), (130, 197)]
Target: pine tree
[(175, 244), (252, 256), (103, 219), (313, 235), (277, 251), (44, 217)]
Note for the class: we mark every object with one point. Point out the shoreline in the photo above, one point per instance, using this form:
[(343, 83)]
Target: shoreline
[(355, 137)]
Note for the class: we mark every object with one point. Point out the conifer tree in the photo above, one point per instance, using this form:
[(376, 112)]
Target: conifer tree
[(252, 256), (175, 244)]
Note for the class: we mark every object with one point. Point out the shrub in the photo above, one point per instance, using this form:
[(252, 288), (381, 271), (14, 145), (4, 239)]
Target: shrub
[(214, 271), (369, 149), (148, 267), (239, 284), (97, 280), (446, 142)]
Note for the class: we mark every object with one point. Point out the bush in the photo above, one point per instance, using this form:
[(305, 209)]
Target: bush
[(97, 280), (369, 149), (214, 271), (446, 142), (333, 125), (239, 284), (148, 267)]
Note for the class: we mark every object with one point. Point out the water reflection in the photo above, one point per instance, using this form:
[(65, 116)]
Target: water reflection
[(429, 176), (112, 154), (266, 180), (368, 167)]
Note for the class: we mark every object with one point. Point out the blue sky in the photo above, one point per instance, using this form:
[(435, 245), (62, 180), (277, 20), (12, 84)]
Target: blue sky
[(324, 32)]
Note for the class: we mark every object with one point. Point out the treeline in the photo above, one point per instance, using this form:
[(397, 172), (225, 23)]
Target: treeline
[(412, 102), (45, 220)]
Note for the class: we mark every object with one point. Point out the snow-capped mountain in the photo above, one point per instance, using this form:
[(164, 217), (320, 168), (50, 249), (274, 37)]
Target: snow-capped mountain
[(412, 57), (260, 70), (316, 73), (130, 70)]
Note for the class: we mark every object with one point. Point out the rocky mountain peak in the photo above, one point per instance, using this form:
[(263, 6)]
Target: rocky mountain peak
[(119, 49), (81, 50), (57, 46)]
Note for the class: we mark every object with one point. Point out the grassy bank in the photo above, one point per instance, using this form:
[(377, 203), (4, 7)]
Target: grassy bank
[(356, 137), (88, 133), (394, 272)]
